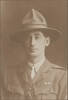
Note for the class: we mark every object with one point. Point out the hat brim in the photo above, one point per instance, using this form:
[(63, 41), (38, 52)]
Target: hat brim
[(47, 31)]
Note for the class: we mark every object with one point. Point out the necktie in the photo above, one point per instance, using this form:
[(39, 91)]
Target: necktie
[(33, 72)]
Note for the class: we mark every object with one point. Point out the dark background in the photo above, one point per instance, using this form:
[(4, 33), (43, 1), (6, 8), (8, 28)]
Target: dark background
[(12, 12)]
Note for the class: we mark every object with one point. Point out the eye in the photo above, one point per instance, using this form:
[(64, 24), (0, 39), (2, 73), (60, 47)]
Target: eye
[(37, 37)]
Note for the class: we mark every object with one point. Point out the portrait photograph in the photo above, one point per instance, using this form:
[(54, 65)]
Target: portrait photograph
[(33, 50)]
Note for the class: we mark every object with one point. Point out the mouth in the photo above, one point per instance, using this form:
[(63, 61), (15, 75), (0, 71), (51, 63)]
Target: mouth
[(33, 49)]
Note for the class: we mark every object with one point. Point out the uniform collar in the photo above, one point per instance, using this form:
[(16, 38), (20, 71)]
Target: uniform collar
[(44, 68), (36, 65)]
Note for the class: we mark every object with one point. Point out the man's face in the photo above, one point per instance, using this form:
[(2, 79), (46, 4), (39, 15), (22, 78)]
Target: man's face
[(35, 43)]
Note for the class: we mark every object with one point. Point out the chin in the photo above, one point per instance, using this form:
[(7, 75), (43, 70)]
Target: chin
[(33, 54)]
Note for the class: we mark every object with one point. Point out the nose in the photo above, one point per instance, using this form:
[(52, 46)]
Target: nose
[(32, 40)]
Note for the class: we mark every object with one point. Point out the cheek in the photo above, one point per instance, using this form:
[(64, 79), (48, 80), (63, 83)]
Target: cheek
[(42, 43)]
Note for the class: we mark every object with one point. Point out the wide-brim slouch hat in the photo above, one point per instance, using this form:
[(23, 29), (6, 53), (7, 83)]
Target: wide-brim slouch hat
[(34, 20)]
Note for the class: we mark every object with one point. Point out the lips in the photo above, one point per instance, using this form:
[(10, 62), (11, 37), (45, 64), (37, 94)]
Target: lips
[(33, 49)]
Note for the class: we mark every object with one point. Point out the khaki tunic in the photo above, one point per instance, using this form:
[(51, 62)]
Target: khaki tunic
[(49, 83)]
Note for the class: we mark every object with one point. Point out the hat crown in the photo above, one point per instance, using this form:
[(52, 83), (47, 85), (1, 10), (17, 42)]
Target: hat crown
[(34, 17)]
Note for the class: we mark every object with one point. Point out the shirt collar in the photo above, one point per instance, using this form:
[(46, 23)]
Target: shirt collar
[(36, 65)]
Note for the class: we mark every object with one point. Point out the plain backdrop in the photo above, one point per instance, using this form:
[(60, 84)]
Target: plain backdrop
[(12, 13)]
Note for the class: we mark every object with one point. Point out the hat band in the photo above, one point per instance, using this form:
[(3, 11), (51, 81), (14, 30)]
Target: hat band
[(35, 26)]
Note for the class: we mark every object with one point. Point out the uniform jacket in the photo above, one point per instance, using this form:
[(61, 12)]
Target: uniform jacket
[(48, 84)]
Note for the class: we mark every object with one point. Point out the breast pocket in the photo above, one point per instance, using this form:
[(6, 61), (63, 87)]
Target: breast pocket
[(46, 92), (51, 96), (46, 96)]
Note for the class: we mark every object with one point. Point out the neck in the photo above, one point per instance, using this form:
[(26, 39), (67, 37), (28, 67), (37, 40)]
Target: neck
[(35, 60)]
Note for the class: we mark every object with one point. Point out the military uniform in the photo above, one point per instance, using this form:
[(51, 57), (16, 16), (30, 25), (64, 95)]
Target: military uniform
[(48, 84)]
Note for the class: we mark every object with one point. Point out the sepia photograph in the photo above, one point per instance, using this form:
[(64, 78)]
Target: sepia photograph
[(33, 50)]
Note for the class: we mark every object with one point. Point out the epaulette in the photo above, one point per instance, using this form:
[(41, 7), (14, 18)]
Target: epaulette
[(54, 66)]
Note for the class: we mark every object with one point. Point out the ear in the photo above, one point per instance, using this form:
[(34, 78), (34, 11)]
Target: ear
[(47, 41)]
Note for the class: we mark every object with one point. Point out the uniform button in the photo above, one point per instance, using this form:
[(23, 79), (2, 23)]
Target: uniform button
[(47, 83)]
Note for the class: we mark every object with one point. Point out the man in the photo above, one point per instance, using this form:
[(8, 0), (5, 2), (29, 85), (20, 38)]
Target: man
[(36, 78)]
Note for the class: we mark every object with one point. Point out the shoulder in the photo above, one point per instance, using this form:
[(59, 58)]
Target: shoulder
[(54, 67), (55, 70), (58, 68), (12, 83), (51, 67), (58, 71), (56, 74)]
